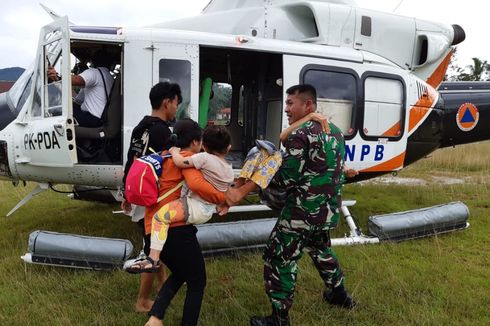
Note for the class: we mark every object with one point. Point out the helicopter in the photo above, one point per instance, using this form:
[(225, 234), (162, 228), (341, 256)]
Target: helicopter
[(376, 76)]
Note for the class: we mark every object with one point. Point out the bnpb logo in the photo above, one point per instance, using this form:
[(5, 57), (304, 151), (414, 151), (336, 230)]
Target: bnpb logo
[(467, 116)]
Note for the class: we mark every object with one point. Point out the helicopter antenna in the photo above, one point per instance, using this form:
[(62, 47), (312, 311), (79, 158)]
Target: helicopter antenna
[(53, 14), (398, 5)]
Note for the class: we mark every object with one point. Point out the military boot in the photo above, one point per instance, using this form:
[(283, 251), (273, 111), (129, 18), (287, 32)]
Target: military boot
[(339, 297), (278, 318)]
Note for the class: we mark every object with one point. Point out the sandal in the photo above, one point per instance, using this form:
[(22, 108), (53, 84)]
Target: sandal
[(144, 265)]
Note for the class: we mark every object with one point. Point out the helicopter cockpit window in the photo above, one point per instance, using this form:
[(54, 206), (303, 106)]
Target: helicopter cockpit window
[(336, 96), (36, 99), (220, 104), (178, 71), (383, 107), (24, 96), (21, 90), (51, 55), (52, 88)]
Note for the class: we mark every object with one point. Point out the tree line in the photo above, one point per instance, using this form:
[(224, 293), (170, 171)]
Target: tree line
[(479, 70)]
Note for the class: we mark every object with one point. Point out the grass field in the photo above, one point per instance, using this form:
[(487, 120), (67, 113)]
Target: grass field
[(442, 280)]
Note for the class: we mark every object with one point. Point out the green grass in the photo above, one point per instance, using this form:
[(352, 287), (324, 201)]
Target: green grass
[(459, 160), (442, 280)]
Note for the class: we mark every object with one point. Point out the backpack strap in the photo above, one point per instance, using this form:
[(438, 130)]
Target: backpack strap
[(103, 117), (159, 153), (171, 191), (105, 87), (146, 140)]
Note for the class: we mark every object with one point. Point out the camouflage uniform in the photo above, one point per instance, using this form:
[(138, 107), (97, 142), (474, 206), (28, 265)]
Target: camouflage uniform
[(312, 173)]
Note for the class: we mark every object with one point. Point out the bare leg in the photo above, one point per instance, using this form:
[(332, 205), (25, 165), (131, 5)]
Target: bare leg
[(170, 213), (143, 302), (154, 254), (154, 321), (161, 277)]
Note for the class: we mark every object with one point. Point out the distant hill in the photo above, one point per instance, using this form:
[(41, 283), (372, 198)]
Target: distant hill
[(11, 74)]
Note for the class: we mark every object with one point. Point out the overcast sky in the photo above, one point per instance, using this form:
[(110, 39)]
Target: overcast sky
[(20, 20)]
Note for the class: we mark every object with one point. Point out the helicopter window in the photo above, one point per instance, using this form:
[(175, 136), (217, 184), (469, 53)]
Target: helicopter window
[(220, 104), (383, 107), (21, 90), (178, 71), (52, 88), (366, 25), (51, 53), (36, 99), (24, 96), (336, 94)]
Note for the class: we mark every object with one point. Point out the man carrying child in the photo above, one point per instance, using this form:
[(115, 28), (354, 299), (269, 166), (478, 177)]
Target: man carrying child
[(190, 208)]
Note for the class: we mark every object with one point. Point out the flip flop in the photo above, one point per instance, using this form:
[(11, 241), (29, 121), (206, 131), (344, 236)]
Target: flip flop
[(143, 265)]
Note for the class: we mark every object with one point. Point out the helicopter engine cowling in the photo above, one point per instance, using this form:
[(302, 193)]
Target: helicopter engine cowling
[(413, 44)]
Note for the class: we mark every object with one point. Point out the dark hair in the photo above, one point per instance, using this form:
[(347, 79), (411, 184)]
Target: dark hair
[(164, 90), (306, 90), (216, 139), (101, 58), (185, 131)]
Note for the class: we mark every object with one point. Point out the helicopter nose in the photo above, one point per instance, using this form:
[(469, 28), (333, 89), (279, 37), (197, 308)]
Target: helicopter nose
[(6, 114)]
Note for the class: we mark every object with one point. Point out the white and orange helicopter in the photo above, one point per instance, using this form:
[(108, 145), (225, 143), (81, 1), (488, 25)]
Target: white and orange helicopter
[(376, 75)]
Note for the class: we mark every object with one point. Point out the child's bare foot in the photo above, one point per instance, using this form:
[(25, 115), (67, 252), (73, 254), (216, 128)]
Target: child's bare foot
[(238, 182), (222, 209), (143, 305), (154, 321)]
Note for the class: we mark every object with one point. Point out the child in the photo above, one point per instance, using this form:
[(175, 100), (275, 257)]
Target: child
[(318, 117), (190, 208), (314, 116), (263, 161)]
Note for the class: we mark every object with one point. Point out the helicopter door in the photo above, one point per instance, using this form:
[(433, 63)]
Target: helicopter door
[(179, 63), (48, 136)]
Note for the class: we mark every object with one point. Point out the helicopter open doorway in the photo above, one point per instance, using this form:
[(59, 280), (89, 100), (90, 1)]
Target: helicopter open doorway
[(246, 96), (48, 125), (101, 145)]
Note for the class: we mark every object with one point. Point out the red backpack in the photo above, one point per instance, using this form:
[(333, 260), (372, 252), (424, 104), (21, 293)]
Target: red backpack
[(142, 180)]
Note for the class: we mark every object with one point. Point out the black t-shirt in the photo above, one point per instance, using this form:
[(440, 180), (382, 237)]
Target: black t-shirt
[(151, 132)]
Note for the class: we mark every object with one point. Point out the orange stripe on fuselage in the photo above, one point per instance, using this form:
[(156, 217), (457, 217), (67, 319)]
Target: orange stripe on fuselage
[(395, 163), (394, 131), (420, 110), (438, 75), (417, 113)]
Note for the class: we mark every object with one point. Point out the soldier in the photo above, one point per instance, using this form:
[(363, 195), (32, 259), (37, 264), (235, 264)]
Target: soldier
[(312, 173)]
